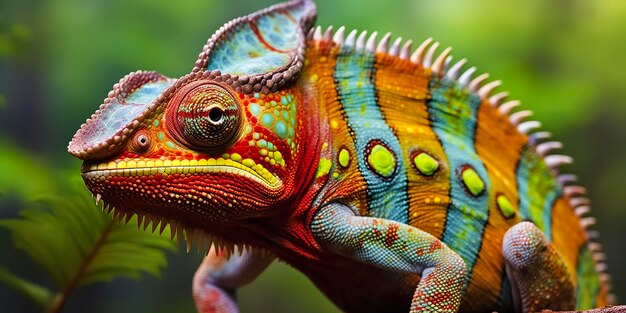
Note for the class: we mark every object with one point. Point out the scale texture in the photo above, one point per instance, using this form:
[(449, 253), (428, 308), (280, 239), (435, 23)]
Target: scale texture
[(394, 178)]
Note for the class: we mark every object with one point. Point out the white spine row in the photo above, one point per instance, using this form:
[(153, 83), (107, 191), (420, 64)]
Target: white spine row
[(425, 55)]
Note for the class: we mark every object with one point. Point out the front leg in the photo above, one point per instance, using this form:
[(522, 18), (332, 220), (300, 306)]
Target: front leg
[(218, 277), (538, 274), (397, 247)]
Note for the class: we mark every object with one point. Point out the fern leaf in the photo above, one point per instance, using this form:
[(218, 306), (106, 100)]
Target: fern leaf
[(38, 294), (78, 244)]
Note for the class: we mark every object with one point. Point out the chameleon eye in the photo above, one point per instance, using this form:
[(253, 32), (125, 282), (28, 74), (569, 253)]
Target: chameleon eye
[(204, 116), (141, 142)]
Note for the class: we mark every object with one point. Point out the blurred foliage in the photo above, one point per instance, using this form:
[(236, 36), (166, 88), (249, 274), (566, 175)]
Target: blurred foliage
[(77, 245), (562, 58)]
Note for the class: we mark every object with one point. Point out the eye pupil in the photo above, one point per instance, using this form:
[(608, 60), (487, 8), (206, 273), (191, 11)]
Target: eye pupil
[(215, 115)]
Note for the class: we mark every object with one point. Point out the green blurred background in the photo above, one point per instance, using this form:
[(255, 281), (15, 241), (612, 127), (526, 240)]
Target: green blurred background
[(58, 59)]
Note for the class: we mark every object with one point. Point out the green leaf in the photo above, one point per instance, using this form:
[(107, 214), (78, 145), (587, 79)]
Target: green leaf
[(77, 244), (38, 294)]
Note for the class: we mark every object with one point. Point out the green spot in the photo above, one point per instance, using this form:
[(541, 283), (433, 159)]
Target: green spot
[(323, 168), (472, 181), (261, 143), (426, 164), (248, 129), (235, 157), (285, 115), (382, 160), (335, 175), (505, 206), (278, 156), (257, 95), (170, 145), (281, 129), (155, 123), (160, 136), (267, 119), (284, 100), (256, 136), (225, 155), (344, 157), (255, 109)]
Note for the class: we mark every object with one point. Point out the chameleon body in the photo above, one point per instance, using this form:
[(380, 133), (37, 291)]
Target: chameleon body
[(395, 181)]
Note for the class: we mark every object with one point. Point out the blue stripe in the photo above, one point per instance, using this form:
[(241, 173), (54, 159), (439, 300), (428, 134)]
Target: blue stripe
[(354, 74), (551, 198), (453, 112), (538, 190)]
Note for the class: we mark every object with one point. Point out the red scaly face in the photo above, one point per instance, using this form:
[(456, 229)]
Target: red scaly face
[(205, 156)]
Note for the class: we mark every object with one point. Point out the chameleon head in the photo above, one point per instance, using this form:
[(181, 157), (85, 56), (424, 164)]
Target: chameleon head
[(195, 150), (214, 146)]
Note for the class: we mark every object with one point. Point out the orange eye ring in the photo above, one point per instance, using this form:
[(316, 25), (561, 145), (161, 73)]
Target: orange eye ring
[(141, 142)]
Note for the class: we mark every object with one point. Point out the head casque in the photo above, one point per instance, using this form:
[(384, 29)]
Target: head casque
[(214, 146)]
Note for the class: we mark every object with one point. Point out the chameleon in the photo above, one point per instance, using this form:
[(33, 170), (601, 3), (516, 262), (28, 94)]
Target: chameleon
[(395, 179)]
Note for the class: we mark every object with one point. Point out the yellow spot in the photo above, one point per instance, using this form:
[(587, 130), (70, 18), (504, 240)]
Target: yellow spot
[(166, 163), (314, 78), (132, 164), (175, 162), (235, 157), (193, 162), (472, 181), (150, 163), (344, 157), (112, 165), (324, 167), (121, 164), (324, 145), (507, 209), (414, 214), (425, 164), (335, 175), (211, 161), (382, 161), (248, 162), (202, 162), (278, 156), (158, 163), (334, 124), (427, 200), (141, 163), (437, 200)]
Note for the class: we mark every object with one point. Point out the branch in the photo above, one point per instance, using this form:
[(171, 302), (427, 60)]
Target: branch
[(606, 309)]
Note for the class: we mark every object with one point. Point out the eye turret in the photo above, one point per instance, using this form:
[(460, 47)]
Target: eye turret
[(205, 116)]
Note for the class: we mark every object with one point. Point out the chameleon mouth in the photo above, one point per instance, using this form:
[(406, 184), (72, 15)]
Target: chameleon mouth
[(246, 168), (201, 239)]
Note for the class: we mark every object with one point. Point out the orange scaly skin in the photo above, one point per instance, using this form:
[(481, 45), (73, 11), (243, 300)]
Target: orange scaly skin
[(394, 182)]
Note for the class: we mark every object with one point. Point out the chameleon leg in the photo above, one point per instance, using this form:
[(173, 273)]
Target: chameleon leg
[(218, 277), (397, 247), (538, 275)]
